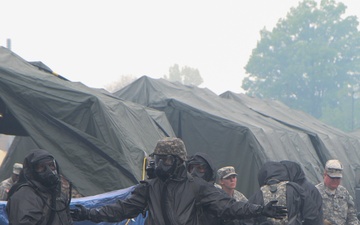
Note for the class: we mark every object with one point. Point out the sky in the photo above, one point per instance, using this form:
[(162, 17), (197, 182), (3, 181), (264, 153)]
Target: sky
[(97, 42)]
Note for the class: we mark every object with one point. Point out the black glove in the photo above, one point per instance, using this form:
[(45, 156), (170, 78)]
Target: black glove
[(79, 213), (274, 211)]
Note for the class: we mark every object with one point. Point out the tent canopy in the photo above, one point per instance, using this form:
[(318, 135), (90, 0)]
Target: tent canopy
[(98, 139), (329, 142), (232, 133)]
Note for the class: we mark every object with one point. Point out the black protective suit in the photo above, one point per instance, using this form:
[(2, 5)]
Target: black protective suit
[(175, 201), (312, 211), (204, 216), (276, 172), (30, 202)]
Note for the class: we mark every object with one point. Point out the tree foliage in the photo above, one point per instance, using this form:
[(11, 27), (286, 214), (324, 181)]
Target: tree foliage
[(310, 60), (122, 82), (187, 75)]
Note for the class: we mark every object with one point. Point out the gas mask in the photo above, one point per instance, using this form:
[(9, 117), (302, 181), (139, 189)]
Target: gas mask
[(165, 166), (198, 167), (150, 167), (201, 171), (46, 173)]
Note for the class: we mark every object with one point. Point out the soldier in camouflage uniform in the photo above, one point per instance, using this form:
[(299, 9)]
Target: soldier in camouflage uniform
[(338, 205), (5, 185), (227, 181)]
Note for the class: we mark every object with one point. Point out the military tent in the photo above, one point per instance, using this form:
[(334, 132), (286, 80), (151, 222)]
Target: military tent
[(329, 142), (231, 133), (99, 140)]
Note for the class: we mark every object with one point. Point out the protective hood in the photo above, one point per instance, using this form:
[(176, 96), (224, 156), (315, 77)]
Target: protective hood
[(208, 160), (33, 158), (296, 174), (272, 171), (28, 173)]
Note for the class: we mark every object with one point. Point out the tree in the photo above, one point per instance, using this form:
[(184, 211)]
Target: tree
[(175, 74), (122, 82), (187, 75), (309, 61), (191, 76)]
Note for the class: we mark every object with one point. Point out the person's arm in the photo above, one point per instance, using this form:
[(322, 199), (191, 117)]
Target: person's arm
[(227, 208), (258, 199), (3, 193), (120, 210), (312, 207), (351, 213)]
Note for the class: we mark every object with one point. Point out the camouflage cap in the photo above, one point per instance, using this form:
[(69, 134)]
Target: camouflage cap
[(17, 167), (171, 146), (334, 168), (226, 172)]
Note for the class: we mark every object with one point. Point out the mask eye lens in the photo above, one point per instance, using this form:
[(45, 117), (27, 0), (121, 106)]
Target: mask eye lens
[(201, 168), (52, 165), (41, 167), (168, 160), (198, 163)]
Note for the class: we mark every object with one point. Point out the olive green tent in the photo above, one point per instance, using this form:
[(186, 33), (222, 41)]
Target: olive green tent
[(234, 133), (99, 140)]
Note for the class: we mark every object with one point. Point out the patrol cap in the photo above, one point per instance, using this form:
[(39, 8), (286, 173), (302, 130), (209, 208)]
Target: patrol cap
[(17, 168), (171, 146), (226, 172), (334, 168)]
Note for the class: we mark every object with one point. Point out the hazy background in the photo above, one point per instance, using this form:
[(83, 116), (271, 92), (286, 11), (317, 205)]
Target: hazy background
[(96, 42)]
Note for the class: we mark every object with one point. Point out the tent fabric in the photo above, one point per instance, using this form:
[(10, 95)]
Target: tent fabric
[(230, 132), (329, 142), (98, 139), (356, 133), (91, 202)]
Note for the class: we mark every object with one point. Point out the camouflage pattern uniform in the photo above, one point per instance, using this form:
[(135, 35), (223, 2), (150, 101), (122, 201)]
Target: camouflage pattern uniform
[(238, 196), (65, 188), (5, 186), (275, 192), (339, 208)]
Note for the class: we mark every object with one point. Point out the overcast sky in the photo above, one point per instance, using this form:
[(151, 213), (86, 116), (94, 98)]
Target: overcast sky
[(96, 42)]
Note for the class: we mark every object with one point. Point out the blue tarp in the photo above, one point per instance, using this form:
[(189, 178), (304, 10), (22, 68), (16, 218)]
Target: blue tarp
[(91, 202)]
